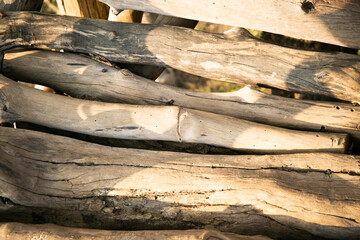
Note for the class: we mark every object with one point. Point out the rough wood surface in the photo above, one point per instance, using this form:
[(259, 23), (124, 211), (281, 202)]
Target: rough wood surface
[(204, 54), (83, 8), (18, 231), (168, 123), (82, 77), (297, 196), (336, 22), (21, 5)]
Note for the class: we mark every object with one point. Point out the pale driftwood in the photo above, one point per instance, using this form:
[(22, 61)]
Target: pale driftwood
[(336, 22), (153, 72), (21, 5), (18, 231), (168, 123), (83, 8), (82, 77), (204, 54), (297, 196)]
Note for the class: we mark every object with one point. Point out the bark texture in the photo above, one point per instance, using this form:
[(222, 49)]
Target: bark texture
[(167, 123), (204, 54), (82, 77), (335, 22), (48, 178)]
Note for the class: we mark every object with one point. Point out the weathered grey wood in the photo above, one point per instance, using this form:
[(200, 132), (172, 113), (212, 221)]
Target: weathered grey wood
[(336, 22), (153, 72), (168, 123), (204, 54), (18, 231), (21, 5), (82, 77), (305, 196)]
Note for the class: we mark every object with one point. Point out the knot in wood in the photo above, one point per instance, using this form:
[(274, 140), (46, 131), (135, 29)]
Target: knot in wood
[(307, 6)]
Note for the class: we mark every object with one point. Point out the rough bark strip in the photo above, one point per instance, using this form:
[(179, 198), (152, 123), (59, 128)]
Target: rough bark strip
[(336, 22), (298, 195), (82, 77), (18, 231), (168, 123), (204, 54)]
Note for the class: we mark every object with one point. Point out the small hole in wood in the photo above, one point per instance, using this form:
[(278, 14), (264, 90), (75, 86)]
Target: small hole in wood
[(307, 6), (352, 110), (4, 108), (322, 128), (337, 107)]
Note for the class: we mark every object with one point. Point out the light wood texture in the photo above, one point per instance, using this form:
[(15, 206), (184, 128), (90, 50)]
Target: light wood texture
[(18, 231), (336, 22), (21, 5), (82, 77), (83, 8), (129, 16), (168, 123), (208, 55), (297, 196)]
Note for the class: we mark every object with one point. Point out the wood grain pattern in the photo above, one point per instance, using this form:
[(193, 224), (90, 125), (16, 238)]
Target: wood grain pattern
[(83, 8), (297, 196), (204, 54), (168, 123), (82, 77), (335, 22)]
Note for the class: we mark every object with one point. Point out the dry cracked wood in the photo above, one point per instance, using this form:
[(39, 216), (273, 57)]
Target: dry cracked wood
[(336, 22), (70, 182), (168, 123), (21, 5), (208, 55), (18, 231), (82, 77)]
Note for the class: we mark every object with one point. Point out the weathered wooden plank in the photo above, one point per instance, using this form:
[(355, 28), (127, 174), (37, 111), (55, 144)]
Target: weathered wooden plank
[(297, 196), (83, 8), (204, 54), (21, 5), (82, 77), (336, 22), (168, 123), (18, 231)]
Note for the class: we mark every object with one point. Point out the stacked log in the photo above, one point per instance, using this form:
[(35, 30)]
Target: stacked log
[(291, 176)]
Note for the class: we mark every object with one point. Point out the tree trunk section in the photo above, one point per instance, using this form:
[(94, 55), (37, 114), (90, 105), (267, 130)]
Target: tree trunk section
[(82, 77), (204, 54), (164, 123), (83, 8), (333, 22), (55, 179)]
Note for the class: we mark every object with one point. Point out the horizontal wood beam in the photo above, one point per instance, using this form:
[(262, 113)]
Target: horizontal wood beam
[(167, 123), (335, 22), (82, 77), (83, 184), (18, 231), (209, 55)]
